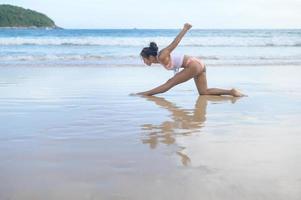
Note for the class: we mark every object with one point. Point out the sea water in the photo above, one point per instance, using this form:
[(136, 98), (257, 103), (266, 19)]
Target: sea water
[(110, 47)]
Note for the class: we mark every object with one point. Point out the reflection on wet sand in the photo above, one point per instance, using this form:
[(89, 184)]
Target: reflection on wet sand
[(183, 122)]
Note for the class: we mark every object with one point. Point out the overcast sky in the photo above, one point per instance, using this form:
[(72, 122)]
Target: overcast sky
[(168, 13)]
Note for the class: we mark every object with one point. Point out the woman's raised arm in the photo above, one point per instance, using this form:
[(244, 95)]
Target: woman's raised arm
[(178, 39)]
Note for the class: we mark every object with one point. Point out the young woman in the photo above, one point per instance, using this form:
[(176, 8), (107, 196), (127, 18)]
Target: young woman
[(192, 68)]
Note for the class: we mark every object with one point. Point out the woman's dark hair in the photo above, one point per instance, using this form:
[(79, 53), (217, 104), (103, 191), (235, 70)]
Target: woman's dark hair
[(152, 50)]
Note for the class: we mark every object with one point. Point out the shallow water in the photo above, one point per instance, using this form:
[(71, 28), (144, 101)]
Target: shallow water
[(76, 133)]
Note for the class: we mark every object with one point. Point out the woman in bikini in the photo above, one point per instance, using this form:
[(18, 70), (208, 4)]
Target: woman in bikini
[(192, 68)]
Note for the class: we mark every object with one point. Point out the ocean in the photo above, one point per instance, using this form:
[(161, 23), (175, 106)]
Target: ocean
[(121, 47)]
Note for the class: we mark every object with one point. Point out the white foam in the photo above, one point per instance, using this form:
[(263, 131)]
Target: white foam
[(90, 59), (161, 41)]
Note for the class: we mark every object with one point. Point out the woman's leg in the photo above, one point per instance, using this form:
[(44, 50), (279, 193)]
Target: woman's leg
[(201, 84)]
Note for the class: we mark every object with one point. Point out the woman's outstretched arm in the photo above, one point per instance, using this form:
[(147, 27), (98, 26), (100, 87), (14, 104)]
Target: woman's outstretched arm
[(180, 77), (160, 89), (178, 39)]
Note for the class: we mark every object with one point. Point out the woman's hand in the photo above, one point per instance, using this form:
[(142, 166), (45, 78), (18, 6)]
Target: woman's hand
[(138, 94), (187, 26)]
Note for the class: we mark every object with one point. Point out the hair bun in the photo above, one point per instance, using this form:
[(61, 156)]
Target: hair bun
[(153, 46)]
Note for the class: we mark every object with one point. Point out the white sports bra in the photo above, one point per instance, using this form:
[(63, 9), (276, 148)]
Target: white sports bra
[(176, 62)]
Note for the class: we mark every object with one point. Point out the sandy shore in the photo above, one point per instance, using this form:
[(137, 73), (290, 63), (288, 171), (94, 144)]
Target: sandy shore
[(76, 133)]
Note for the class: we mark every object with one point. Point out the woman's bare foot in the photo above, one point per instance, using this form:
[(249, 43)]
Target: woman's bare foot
[(236, 93)]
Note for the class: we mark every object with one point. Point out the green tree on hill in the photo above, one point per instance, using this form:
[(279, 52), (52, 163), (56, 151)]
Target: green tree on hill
[(14, 16)]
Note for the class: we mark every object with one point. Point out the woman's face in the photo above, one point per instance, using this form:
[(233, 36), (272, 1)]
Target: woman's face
[(147, 61)]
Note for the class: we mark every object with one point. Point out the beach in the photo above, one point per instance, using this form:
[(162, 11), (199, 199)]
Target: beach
[(70, 128), (75, 132)]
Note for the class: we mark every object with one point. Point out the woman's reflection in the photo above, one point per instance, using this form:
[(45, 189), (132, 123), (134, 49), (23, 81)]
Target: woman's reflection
[(183, 122)]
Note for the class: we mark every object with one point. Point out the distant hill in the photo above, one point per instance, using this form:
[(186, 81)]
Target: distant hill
[(14, 16)]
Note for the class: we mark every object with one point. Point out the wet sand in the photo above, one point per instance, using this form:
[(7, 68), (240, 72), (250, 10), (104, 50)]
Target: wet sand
[(76, 133)]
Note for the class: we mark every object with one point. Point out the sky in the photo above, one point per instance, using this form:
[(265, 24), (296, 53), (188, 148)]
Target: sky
[(216, 14)]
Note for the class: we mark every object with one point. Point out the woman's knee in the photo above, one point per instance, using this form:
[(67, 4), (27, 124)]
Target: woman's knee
[(204, 92)]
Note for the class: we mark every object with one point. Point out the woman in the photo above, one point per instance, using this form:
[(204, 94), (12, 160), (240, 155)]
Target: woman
[(192, 68)]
